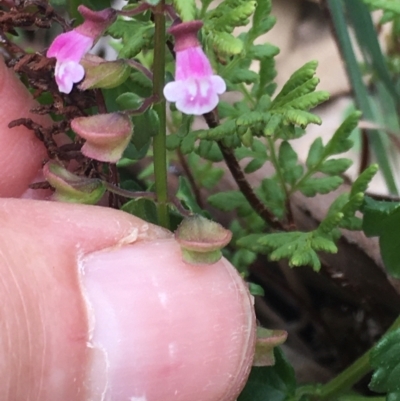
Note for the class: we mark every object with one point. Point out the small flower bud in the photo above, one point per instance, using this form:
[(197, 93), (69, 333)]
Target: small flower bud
[(103, 74), (72, 188), (107, 135), (201, 240), (266, 341)]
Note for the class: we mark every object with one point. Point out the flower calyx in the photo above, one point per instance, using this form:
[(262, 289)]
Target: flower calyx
[(72, 188), (107, 135), (266, 341), (201, 240)]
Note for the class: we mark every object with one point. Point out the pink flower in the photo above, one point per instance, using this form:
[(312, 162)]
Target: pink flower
[(69, 48), (196, 88)]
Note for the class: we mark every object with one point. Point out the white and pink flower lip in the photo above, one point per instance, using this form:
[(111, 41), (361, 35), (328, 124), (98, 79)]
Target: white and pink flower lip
[(196, 87), (69, 47)]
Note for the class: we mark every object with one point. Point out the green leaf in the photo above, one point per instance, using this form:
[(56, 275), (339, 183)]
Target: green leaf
[(205, 174), (287, 159), (225, 44), (135, 35), (315, 154), (256, 290), (251, 118), (272, 383), (308, 101), (231, 14), (386, 5), (271, 192), (335, 166), (319, 185), (301, 118), (389, 243), (363, 180), (383, 219), (145, 126), (376, 214), (272, 125), (323, 244), (260, 52), (225, 129), (329, 223), (295, 246), (185, 194), (227, 201), (209, 150), (254, 165), (142, 208), (129, 100), (297, 79), (385, 359), (251, 242), (241, 75), (188, 143), (340, 142), (186, 9), (173, 142)]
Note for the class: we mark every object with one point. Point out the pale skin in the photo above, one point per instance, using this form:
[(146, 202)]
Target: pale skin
[(55, 256)]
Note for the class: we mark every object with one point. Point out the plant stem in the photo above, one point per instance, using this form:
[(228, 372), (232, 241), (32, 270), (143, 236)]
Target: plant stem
[(233, 165), (350, 376), (159, 142)]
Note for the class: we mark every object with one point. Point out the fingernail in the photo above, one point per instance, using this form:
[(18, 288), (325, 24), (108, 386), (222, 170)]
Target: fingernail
[(161, 329)]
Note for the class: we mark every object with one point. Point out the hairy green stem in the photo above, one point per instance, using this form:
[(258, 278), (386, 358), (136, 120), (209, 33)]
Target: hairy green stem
[(159, 142), (350, 376)]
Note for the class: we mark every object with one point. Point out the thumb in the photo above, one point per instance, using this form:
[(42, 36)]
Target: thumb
[(21, 153), (98, 305)]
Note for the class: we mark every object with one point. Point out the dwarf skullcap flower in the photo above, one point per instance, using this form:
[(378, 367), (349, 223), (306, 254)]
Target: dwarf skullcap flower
[(69, 48), (196, 88)]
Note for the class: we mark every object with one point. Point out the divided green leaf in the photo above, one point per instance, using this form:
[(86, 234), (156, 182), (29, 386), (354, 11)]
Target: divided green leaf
[(385, 359)]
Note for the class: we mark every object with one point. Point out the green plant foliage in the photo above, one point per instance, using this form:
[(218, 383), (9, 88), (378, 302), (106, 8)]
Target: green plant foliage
[(135, 34), (298, 96), (382, 219), (185, 194), (205, 174), (385, 5), (385, 359), (142, 208), (272, 383), (227, 201), (186, 9)]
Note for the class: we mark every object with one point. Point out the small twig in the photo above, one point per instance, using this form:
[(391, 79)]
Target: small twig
[(129, 194), (101, 103), (143, 107), (172, 13), (177, 203), (138, 10), (238, 175), (147, 195), (140, 67)]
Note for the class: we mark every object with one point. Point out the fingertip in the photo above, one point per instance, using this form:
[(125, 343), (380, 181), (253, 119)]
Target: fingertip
[(165, 329), (21, 153)]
